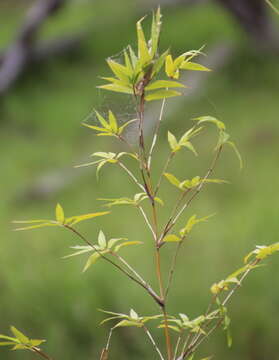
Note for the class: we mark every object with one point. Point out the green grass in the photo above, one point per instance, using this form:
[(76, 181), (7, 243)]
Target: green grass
[(40, 132)]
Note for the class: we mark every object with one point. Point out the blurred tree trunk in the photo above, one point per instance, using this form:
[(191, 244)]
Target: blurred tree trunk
[(253, 17)]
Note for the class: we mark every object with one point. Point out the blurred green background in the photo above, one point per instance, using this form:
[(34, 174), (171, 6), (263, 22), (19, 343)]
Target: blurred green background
[(41, 140)]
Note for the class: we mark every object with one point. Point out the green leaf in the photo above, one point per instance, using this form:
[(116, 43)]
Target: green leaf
[(126, 124), (102, 240), (91, 260), (187, 65), (7, 338), (127, 243), (76, 219), (124, 323), (133, 315), (143, 53), (35, 226), (171, 238), (60, 217), (19, 335), (189, 146), (159, 63), (155, 31), (113, 122), (172, 327), (161, 94), (36, 342), (128, 64), (158, 84), (172, 179), (223, 138), (119, 70), (173, 142), (133, 56), (170, 69), (220, 125), (232, 144), (116, 88), (102, 121)]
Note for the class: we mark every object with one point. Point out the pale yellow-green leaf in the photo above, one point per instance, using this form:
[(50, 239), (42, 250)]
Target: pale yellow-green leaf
[(173, 142), (59, 212), (172, 327), (127, 243), (6, 343), (91, 260), (172, 179), (102, 120), (35, 226), (133, 57), (128, 64), (112, 122), (7, 338), (116, 88), (159, 63), (155, 31), (121, 128), (171, 238), (159, 201), (119, 70), (117, 81), (232, 144), (220, 125), (76, 219), (36, 342), (143, 53), (19, 335), (158, 84), (161, 94), (133, 315), (170, 69), (96, 128), (124, 323), (188, 65), (189, 146), (102, 240)]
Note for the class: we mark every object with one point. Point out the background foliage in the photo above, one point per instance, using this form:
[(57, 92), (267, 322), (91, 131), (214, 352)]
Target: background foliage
[(50, 298)]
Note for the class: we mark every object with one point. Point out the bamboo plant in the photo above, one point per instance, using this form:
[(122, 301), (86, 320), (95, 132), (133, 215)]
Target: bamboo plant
[(145, 76)]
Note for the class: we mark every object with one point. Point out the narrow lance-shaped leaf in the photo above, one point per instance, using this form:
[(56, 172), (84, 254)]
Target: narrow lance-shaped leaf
[(158, 84), (188, 65), (59, 214), (161, 94)]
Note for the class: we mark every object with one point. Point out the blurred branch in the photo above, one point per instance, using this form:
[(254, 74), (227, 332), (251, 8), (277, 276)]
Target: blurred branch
[(25, 50), (252, 15)]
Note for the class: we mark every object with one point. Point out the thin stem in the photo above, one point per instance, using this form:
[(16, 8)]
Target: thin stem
[(199, 339), (41, 353), (149, 290), (198, 189), (147, 221), (162, 294), (109, 338), (153, 342), (156, 134), (177, 346), (272, 6), (132, 176), (147, 286), (172, 268), (170, 157)]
